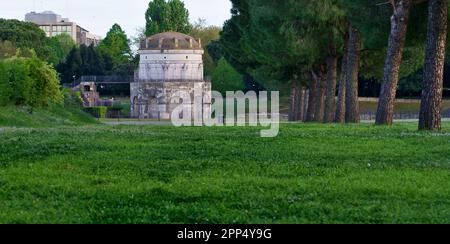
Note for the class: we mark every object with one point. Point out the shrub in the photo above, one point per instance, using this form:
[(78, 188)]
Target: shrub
[(5, 88), (72, 99), (98, 112), (28, 81), (45, 88), (124, 109), (7, 49), (226, 78), (26, 35), (18, 82)]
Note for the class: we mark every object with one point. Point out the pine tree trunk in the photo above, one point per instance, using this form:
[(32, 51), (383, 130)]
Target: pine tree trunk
[(340, 105), (296, 102), (320, 97), (301, 98), (293, 101), (305, 105), (330, 102), (312, 99), (353, 62), (399, 26), (430, 111)]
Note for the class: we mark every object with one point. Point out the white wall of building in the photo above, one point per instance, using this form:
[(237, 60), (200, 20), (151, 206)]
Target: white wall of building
[(171, 65)]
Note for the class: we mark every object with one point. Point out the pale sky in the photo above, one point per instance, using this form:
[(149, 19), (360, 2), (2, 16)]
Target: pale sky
[(98, 16)]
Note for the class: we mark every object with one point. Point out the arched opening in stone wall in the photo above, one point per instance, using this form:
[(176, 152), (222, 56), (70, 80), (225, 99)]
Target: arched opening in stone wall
[(153, 111), (136, 107)]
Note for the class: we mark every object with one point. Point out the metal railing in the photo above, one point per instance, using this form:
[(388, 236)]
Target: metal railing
[(116, 79), (402, 115), (107, 79)]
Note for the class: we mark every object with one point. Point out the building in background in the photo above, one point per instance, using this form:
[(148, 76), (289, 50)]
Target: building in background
[(170, 64), (53, 24)]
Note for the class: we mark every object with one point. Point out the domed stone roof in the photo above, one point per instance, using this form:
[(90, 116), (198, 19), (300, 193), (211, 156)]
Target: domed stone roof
[(170, 41)]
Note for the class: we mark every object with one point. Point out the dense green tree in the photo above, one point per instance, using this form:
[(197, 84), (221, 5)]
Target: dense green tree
[(293, 42), (226, 78), (7, 49), (157, 17), (72, 67), (178, 17), (5, 85), (17, 84), (207, 34), (126, 69), (238, 44), (383, 28), (231, 46), (25, 35), (116, 45), (92, 62), (163, 16), (289, 42), (390, 49), (28, 36), (28, 81), (215, 50), (231, 40), (60, 46), (45, 87), (86, 61)]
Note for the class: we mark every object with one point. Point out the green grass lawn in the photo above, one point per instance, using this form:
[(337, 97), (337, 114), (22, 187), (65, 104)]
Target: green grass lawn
[(159, 174), (54, 115)]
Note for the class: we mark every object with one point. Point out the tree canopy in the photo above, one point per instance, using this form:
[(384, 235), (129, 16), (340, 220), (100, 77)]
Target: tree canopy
[(294, 41), (28, 81), (163, 16), (226, 78), (116, 45), (207, 34), (84, 60), (25, 35), (61, 46)]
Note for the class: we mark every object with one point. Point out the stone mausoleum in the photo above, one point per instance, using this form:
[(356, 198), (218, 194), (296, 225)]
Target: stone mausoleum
[(169, 63)]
